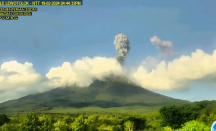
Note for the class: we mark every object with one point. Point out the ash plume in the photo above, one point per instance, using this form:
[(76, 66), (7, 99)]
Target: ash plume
[(122, 46), (165, 47)]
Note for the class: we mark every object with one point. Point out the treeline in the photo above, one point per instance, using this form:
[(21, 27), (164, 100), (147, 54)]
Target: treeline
[(197, 116), (93, 122)]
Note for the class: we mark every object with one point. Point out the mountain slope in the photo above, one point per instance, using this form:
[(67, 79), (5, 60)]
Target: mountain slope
[(112, 92)]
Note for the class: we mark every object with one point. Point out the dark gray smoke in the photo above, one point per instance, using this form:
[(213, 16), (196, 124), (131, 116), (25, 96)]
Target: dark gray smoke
[(122, 46)]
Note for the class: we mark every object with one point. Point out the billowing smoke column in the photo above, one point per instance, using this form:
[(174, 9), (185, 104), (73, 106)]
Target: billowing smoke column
[(122, 46)]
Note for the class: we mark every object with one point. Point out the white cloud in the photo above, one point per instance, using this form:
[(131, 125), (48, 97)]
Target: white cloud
[(84, 71), (17, 80), (150, 63), (178, 74), (165, 47), (15, 75)]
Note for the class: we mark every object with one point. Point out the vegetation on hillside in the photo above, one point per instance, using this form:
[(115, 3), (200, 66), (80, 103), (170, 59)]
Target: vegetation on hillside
[(112, 92), (3, 119)]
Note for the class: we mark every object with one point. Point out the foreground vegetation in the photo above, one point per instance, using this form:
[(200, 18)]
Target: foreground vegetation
[(196, 116)]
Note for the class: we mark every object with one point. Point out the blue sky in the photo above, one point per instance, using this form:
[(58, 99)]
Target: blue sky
[(57, 34)]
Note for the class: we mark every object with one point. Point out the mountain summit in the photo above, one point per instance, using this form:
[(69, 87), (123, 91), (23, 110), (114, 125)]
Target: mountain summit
[(113, 91)]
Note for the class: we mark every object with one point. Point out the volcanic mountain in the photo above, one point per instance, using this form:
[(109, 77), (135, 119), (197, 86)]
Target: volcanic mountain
[(114, 91)]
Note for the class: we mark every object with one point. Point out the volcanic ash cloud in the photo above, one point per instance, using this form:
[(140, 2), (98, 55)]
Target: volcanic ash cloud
[(122, 46), (165, 47)]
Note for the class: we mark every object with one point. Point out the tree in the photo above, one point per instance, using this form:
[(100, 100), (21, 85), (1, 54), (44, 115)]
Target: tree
[(174, 116), (92, 123), (46, 123), (3, 119), (105, 127), (139, 123), (8, 127), (129, 126), (194, 126), (167, 128), (79, 124), (30, 123), (207, 116), (62, 126)]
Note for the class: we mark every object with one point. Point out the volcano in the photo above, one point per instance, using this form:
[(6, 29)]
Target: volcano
[(113, 91)]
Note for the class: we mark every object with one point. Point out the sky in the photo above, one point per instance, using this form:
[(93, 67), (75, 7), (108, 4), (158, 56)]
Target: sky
[(172, 47)]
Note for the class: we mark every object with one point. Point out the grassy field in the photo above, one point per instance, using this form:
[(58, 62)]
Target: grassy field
[(127, 109)]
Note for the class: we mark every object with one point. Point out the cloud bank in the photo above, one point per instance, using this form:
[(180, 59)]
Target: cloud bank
[(17, 79), (179, 73), (14, 74), (84, 71)]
